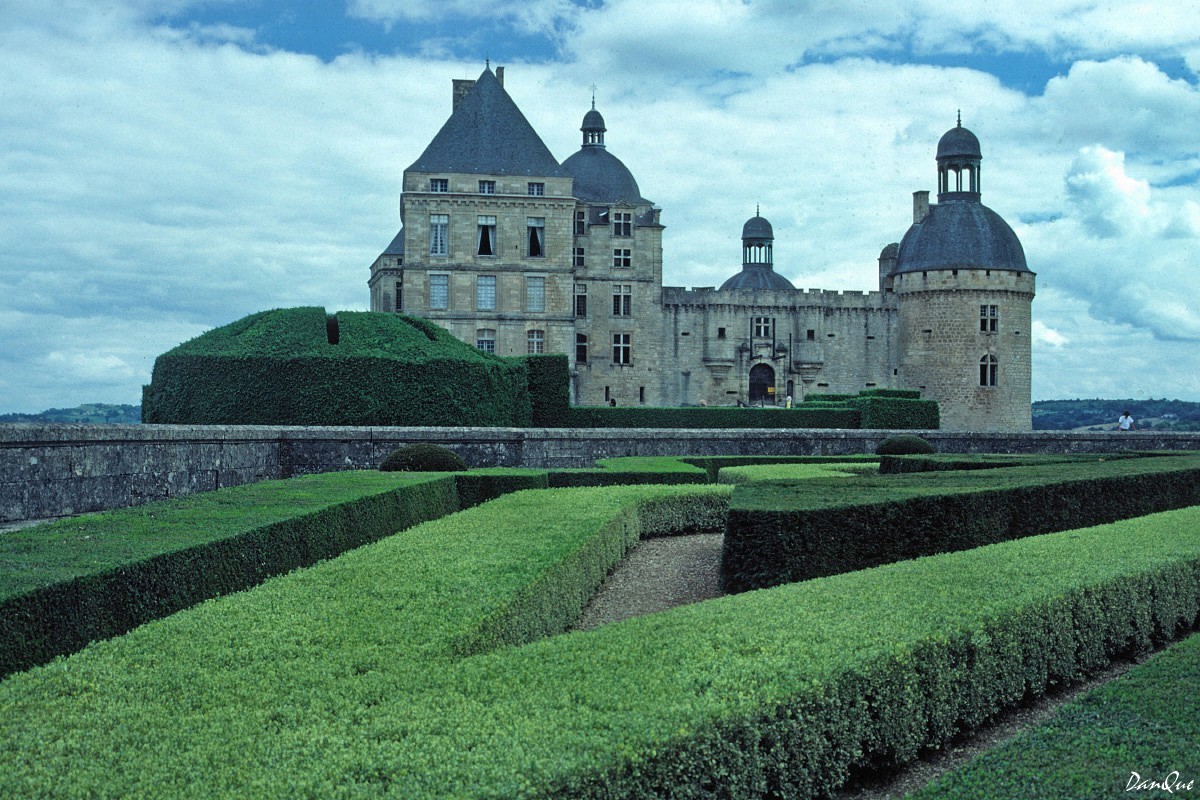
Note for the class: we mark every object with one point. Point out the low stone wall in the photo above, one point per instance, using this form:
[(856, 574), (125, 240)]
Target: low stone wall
[(59, 470)]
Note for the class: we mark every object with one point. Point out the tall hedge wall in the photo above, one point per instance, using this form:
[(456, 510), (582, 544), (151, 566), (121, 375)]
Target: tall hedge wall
[(549, 389), (717, 417), (283, 367)]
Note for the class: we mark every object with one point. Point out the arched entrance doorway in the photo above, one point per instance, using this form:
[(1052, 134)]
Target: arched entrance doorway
[(762, 378)]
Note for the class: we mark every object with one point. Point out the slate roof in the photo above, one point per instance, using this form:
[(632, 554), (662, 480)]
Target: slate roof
[(396, 248), (960, 233), (958, 142), (600, 177), (758, 276), (758, 228), (488, 135)]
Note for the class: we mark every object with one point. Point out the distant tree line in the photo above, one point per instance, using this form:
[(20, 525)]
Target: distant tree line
[(88, 413), (1150, 414)]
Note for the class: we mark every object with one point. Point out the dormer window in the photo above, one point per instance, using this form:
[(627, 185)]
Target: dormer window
[(439, 184), (536, 189), (487, 187)]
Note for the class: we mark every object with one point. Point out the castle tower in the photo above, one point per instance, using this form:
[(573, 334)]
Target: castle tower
[(758, 259), (964, 294)]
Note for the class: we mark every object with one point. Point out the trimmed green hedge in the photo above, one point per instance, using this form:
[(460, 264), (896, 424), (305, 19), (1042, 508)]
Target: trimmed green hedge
[(888, 413), (957, 462), (714, 464), (280, 368), (67, 583), (712, 417), (630, 470), (780, 532), (1139, 727), (549, 389), (343, 679)]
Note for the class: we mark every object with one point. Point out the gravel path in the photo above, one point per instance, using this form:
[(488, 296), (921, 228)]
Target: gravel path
[(658, 574)]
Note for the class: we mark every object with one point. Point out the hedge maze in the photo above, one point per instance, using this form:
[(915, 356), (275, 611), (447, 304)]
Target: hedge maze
[(431, 663)]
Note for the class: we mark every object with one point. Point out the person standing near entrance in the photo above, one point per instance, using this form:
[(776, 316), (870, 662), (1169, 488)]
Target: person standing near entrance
[(1126, 423)]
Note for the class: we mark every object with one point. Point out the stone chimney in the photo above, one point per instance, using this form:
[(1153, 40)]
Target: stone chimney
[(462, 87), (920, 207), (500, 76)]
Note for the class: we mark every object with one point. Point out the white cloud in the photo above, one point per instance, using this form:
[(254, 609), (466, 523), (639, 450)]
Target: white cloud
[(1108, 201), (158, 181)]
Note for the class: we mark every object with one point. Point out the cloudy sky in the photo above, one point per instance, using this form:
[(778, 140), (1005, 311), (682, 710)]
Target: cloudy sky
[(172, 165)]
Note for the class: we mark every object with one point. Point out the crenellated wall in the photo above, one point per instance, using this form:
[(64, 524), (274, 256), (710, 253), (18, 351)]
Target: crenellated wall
[(58, 470)]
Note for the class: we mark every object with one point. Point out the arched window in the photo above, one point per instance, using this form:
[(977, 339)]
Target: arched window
[(987, 370)]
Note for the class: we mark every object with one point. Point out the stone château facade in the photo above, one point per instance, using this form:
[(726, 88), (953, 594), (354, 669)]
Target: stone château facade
[(517, 253)]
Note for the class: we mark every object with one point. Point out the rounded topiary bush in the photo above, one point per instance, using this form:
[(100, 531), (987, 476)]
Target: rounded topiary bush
[(904, 444), (422, 457)]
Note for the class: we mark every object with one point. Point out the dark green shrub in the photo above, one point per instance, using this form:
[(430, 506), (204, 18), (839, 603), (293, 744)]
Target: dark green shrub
[(904, 444), (423, 457), (297, 366), (549, 379)]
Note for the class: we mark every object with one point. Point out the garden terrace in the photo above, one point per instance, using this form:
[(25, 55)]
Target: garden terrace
[(424, 665)]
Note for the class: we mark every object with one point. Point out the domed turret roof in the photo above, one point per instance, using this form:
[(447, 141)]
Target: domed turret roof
[(958, 142), (600, 177), (756, 276), (960, 235), (757, 228), (592, 121)]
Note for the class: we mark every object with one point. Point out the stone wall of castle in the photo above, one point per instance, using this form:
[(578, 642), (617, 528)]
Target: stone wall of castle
[(58, 470)]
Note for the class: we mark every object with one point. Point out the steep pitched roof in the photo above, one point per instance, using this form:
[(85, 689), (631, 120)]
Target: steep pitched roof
[(488, 135)]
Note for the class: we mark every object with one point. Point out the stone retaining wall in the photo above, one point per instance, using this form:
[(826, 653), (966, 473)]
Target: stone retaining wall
[(58, 470)]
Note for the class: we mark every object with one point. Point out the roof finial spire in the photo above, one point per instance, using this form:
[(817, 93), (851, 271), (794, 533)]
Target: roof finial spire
[(593, 96), (487, 60), (960, 118), (756, 210)]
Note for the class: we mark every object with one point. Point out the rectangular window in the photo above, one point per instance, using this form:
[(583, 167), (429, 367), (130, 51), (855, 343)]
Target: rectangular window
[(810, 335), (487, 187), (622, 300), (622, 348), (487, 236), (581, 348), (622, 223), (581, 223), (535, 293), (581, 299), (439, 184), (536, 228), (764, 328), (536, 189), (987, 370), (989, 319), (622, 257), (720, 333), (536, 342), (439, 224), (485, 340), (485, 293), (399, 297), (439, 292), (577, 257)]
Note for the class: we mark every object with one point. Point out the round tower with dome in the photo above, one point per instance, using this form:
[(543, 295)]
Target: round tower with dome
[(964, 295)]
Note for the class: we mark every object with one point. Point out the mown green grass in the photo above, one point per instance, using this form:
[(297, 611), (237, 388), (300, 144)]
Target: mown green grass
[(56, 552), (1145, 722), (814, 494), (791, 472), (346, 679)]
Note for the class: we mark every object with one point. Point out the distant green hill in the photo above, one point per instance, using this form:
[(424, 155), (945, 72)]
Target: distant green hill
[(1179, 415), (90, 413)]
